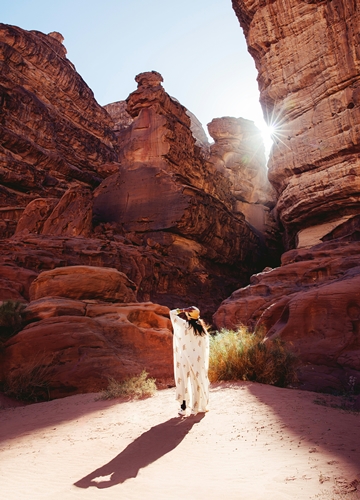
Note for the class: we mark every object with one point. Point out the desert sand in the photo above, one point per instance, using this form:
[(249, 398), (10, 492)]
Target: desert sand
[(257, 442)]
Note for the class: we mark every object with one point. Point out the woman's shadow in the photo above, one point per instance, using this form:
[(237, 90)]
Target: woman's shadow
[(147, 448)]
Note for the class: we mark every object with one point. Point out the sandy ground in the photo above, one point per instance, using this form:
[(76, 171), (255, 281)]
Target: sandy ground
[(257, 442)]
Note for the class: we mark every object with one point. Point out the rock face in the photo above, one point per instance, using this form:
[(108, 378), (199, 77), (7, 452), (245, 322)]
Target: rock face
[(312, 97), (312, 302), (72, 346), (239, 154), (84, 282), (53, 133)]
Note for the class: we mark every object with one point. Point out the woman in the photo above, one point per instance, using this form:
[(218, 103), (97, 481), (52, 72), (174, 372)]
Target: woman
[(191, 360)]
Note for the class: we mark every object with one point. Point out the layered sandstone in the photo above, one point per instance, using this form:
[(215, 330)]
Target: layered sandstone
[(101, 212), (54, 135), (308, 58), (238, 153), (77, 346), (312, 303)]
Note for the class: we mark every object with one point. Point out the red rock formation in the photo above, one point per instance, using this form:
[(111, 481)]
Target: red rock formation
[(312, 302), (161, 136), (166, 197), (53, 133), (311, 95), (308, 58), (78, 346), (84, 282), (163, 220), (238, 153)]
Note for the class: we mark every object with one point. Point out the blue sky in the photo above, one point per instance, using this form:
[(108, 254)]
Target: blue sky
[(197, 46)]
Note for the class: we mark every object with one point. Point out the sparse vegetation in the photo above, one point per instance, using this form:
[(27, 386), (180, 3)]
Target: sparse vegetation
[(10, 318), (242, 355), (132, 388), (30, 383)]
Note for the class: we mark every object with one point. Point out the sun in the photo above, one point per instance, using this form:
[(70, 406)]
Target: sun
[(268, 132)]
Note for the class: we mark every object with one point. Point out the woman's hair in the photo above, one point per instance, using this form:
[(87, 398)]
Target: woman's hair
[(198, 326)]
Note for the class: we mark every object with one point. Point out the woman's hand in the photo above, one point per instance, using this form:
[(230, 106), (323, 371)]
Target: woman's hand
[(185, 309)]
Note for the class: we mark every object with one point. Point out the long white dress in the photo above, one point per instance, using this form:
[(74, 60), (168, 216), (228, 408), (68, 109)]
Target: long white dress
[(191, 365)]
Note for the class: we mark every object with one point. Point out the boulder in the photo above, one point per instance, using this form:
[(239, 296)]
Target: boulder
[(61, 355), (84, 282), (15, 282), (312, 303)]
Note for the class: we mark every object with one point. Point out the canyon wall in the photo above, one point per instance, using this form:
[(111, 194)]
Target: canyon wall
[(308, 59), (88, 193)]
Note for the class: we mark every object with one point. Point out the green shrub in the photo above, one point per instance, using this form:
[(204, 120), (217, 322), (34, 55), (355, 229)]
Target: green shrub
[(132, 388), (10, 318), (242, 355)]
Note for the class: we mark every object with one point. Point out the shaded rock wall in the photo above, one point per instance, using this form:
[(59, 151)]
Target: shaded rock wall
[(76, 346), (312, 302), (134, 193), (307, 56), (238, 153), (308, 60)]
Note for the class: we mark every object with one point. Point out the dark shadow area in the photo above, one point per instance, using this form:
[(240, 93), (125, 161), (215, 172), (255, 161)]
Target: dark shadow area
[(55, 412), (146, 449), (311, 417)]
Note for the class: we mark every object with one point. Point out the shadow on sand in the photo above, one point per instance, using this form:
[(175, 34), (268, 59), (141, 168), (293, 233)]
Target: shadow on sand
[(146, 449)]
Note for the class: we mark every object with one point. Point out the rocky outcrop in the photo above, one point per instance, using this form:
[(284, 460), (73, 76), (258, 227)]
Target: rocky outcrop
[(84, 282), (72, 346), (168, 198), (312, 303), (161, 136), (312, 97), (84, 190), (53, 133), (238, 153), (165, 216), (69, 216)]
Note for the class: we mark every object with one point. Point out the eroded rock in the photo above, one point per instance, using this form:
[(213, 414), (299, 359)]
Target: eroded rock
[(78, 353), (312, 302), (84, 282), (312, 97)]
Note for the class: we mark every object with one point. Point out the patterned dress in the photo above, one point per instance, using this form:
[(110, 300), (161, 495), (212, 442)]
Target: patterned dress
[(191, 365)]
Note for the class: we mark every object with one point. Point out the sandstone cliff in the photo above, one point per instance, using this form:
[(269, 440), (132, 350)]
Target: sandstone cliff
[(308, 60), (54, 134), (106, 214)]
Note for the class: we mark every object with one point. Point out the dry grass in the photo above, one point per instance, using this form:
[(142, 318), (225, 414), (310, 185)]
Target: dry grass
[(242, 355), (31, 382), (10, 318), (132, 388)]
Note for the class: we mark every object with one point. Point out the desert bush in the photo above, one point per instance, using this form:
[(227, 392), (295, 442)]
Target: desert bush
[(30, 383), (10, 318), (136, 387), (242, 355)]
